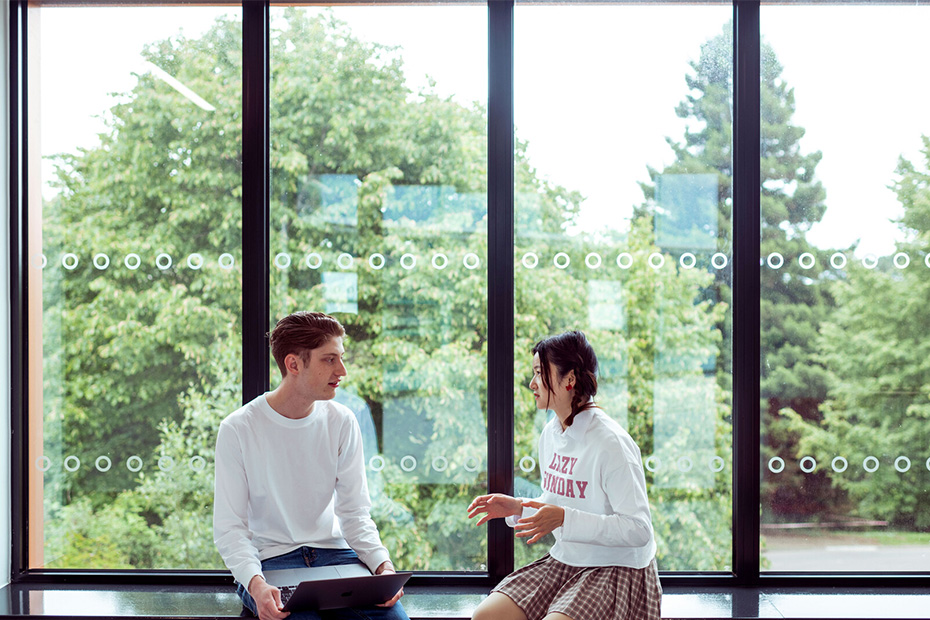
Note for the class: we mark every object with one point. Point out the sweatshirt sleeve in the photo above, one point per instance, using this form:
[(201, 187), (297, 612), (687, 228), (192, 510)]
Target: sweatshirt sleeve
[(630, 525), (352, 502), (231, 532)]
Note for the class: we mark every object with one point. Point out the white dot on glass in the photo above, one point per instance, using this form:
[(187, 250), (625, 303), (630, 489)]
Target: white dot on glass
[(163, 261), (376, 463), (43, 463), (226, 260), (656, 260), (527, 464), (132, 261), (314, 260), (134, 463), (719, 260), (472, 464), (870, 261), (687, 260), (684, 464), (471, 261), (282, 260), (39, 261), (440, 463), (72, 463), (165, 463), (69, 261), (902, 464), (653, 463), (561, 260), (593, 260), (776, 260), (839, 464), (530, 260), (901, 260), (716, 464), (345, 261), (806, 260), (375, 261), (870, 464), (838, 260), (408, 261), (195, 261), (624, 260), (197, 463), (408, 463), (776, 464), (101, 261), (103, 463), (808, 464), (440, 261)]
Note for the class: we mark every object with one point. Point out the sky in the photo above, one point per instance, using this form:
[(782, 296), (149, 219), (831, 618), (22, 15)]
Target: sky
[(595, 89)]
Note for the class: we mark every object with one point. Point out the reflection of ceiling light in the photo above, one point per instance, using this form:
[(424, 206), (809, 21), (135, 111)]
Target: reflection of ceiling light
[(181, 88)]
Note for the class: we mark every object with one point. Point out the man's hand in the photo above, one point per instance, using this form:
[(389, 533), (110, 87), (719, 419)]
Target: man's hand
[(547, 518), (267, 599), (496, 505), (387, 567)]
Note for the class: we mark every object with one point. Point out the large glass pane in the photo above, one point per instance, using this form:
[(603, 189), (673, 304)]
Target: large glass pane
[(134, 280), (845, 284), (623, 173), (379, 217)]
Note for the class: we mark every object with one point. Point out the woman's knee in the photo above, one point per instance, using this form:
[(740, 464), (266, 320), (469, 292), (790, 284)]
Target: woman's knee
[(498, 607)]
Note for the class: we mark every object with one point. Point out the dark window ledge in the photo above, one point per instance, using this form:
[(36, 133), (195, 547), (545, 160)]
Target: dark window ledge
[(163, 602)]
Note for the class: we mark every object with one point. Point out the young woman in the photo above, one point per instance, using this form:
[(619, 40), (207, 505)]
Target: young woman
[(602, 564)]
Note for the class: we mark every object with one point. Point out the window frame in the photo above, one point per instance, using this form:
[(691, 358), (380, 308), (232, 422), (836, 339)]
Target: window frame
[(255, 309)]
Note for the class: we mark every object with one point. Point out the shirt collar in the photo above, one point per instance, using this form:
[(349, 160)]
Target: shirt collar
[(579, 424)]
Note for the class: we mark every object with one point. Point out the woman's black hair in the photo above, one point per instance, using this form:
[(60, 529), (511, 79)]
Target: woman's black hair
[(567, 352)]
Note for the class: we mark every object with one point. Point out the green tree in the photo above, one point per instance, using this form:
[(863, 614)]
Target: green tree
[(877, 352), (794, 302)]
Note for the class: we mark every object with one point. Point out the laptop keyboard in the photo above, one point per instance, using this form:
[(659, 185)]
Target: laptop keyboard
[(286, 593)]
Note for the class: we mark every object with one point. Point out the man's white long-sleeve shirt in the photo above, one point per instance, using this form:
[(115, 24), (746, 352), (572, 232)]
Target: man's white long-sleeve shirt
[(282, 484), (594, 470)]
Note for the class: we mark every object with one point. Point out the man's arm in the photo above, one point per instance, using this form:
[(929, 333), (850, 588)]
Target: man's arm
[(352, 502), (231, 532)]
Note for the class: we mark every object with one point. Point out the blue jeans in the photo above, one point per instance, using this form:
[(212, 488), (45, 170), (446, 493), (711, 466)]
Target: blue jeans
[(308, 556)]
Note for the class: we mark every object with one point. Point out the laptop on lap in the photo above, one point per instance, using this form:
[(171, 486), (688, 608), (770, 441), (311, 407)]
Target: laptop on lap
[(334, 587)]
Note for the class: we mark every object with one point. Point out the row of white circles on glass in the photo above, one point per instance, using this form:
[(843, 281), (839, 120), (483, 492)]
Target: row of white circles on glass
[(652, 463), (839, 464), (838, 260), (198, 463), (313, 260), (133, 463)]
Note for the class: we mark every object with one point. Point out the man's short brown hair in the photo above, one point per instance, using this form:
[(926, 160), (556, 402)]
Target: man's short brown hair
[(300, 333)]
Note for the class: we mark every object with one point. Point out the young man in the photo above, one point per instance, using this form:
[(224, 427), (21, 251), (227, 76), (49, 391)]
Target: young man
[(290, 475)]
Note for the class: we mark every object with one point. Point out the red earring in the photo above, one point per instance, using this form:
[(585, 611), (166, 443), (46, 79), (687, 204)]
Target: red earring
[(568, 387)]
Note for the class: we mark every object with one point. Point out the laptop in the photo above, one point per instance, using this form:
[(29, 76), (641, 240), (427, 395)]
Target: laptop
[(334, 587)]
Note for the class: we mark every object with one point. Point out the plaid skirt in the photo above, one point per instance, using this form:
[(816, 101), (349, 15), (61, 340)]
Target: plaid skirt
[(584, 592)]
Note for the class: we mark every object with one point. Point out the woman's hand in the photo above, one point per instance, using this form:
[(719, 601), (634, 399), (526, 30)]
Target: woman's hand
[(496, 505), (267, 599), (547, 518), (387, 567)]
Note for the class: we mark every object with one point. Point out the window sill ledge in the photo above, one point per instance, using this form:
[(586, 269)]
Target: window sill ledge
[(91, 602)]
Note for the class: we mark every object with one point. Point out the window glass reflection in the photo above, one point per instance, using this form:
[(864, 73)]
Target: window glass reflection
[(627, 239), (844, 284), (379, 201)]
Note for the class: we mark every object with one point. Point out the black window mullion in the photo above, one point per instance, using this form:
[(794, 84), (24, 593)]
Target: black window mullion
[(19, 342), (746, 291), (500, 276), (255, 198)]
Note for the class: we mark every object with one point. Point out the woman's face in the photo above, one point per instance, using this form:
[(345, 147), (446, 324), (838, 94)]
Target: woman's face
[(542, 396)]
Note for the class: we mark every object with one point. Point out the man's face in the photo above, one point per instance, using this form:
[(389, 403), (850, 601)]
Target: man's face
[(321, 374)]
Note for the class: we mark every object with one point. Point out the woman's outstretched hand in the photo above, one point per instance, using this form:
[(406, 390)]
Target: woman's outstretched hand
[(496, 506), (548, 517)]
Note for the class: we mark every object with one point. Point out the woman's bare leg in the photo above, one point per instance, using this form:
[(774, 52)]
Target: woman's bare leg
[(498, 607)]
